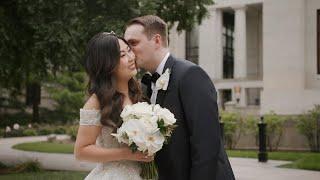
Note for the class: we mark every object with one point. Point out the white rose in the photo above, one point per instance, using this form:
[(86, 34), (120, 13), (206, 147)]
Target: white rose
[(16, 126), (127, 130), (150, 124), (137, 110), (142, 109), (163, 80), (154, 142), (131, 127), (140, 141), (126, 113), (164, 114), (121, 136)]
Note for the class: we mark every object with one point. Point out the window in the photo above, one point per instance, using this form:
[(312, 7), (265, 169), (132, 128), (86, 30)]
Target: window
[(228, 55), (192, 45), (253, 96), (226, 96), (318, 41)]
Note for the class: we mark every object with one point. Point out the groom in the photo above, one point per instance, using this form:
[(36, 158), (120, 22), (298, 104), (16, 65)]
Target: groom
[(195, 150)]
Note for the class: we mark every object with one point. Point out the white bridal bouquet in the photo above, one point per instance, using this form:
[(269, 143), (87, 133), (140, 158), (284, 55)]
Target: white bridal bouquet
[(146, 127)]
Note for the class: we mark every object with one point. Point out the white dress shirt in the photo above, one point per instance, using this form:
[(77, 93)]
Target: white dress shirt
[(159, 70)]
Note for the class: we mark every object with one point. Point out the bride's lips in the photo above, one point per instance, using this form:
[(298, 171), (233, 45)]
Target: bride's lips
[(132, 66)]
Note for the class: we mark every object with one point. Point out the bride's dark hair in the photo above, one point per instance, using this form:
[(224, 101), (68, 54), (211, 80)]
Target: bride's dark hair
[(102, 58)]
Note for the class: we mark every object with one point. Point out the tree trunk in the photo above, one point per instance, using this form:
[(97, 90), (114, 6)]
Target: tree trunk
[(33, 97), (35, 112)]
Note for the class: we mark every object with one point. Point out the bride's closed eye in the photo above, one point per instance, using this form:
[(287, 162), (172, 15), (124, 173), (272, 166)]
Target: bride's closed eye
[(123, 52)]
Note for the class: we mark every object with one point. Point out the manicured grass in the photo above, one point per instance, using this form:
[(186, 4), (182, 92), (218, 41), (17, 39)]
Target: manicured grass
[(46, 175), (45, 147), (300, 160), (243, 154), (308, 162)]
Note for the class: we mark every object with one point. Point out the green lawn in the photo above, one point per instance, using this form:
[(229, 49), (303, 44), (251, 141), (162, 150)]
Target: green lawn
[(45, 147), (300, 160), (46, 175)]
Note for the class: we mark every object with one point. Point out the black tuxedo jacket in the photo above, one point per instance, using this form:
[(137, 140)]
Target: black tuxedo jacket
[(195, 150)]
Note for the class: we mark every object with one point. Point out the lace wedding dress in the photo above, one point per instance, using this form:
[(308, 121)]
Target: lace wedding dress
[(116, 170)]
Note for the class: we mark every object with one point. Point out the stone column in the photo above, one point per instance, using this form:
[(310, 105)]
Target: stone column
[(243, 97), (218, 51), (206, 45), (240, 43)]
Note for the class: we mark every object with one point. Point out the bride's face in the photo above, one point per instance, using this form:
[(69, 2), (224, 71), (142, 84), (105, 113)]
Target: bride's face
[(127, 65)]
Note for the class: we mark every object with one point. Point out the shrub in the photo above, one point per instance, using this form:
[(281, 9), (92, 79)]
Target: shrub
[(308, 124), (36, 126), (251, 127), (233, 128), (29, 132), (45, 131), (72, 132), (275, 127), (59, 130), (3, 166), (2, 132), (14, 133), (29, 166)]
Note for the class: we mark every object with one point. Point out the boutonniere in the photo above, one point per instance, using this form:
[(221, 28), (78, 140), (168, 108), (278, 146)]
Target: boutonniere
[(163, 80)]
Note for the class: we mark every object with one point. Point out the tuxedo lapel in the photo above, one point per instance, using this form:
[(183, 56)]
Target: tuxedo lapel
[(162, 93), (160, 97)]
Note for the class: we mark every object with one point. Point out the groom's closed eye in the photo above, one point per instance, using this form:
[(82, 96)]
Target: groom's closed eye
[(133, 42)]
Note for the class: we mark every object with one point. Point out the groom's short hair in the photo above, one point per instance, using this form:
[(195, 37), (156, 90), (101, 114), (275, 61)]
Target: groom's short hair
[(152, 25)]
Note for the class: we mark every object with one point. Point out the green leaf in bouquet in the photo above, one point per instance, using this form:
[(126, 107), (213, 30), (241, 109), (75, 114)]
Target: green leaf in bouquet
[(161, 127), (124, 135), (133, 147)]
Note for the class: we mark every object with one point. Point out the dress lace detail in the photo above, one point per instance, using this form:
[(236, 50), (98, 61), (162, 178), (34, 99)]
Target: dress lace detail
[(90, 117), (117, 170)]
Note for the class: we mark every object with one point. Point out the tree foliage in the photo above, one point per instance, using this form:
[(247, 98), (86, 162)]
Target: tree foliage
[(40, 38), (68, 91)]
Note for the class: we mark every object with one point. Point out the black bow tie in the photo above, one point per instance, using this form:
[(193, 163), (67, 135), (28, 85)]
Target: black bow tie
[(147, 78), (155, 76)]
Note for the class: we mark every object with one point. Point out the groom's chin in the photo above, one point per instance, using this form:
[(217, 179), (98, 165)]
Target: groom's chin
[(141, 69), (140, 65), (134, 72)]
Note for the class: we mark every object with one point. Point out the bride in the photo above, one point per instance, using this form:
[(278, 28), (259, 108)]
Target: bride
[(110, 65)]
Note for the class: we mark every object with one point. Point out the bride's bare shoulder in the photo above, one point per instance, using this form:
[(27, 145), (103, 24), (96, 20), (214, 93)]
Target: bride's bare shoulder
[(92, 103)]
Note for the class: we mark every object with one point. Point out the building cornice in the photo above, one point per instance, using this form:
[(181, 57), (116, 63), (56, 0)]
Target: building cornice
[(233, 4)]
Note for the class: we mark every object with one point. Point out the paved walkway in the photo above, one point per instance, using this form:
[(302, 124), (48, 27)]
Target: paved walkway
[(244, 169), (52, 161)]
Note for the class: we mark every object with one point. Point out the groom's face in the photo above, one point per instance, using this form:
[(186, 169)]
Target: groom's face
[(142, 46)]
